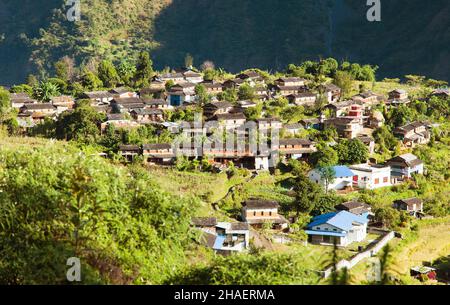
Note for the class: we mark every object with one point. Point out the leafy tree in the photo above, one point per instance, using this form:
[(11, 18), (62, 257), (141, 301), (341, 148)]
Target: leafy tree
[(46, 91), (327, 175), (229, 95), (91, 81), (414, 80), (24, 88), (253, 113), (352, 151), (108, 74), (307, 193), (32, 80), (246, 92), (202, 95), (344, 80), (189, 61), (126, 71), (81, 125), (5, 102), (144, 70), (384, 137), (324, 156)]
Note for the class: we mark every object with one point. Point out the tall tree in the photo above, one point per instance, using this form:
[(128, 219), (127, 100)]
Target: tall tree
[(344, 80), (144, 70), (108, 74), (307, 193)]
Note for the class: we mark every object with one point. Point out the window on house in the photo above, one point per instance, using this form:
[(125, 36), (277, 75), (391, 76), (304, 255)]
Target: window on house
[(270, 213), (385, 180), (254, 213), (377, 181), (262, 213)]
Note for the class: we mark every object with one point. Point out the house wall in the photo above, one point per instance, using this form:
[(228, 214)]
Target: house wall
[(337, 184), (261, 163), (366, 180), (261, 214)]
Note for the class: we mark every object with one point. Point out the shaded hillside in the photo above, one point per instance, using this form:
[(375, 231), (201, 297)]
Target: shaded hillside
[(413, 36)]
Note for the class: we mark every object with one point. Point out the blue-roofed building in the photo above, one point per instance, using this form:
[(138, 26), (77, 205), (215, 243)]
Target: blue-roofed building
[(343, 178), (341, 228)]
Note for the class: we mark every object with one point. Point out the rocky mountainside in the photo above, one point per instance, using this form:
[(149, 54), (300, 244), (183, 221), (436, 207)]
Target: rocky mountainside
[(412, 38)]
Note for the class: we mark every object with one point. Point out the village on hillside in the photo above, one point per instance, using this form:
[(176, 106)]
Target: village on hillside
[(183, 104)]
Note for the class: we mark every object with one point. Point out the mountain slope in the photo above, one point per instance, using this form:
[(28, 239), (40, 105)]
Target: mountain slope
[(413, 36)]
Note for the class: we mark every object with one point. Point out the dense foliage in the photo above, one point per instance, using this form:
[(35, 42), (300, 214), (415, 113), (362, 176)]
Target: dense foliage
[(58, 202)]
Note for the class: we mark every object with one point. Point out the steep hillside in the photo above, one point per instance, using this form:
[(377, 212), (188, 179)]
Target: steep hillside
[(413, 36)]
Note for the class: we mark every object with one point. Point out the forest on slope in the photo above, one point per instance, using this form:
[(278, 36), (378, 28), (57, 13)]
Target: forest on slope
[(412, 38)]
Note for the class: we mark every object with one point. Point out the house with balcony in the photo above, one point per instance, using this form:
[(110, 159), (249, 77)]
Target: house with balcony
[(257, 212), (223, 237), (129, 152), (295, 148), (405, 166), (302, 99), (346, 127), (331, 92), (397, 97), (212, 109), (413, 134), (160, 153)]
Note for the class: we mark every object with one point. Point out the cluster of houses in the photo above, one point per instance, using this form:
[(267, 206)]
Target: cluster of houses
[(353, 118), (346, 225), (369, 176)]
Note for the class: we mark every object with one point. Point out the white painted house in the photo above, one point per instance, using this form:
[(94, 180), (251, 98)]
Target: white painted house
[(343, 178), (342, 228), (371, 177)]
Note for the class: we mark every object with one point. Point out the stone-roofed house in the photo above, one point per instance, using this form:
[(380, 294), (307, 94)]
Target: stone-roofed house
[(293, 129), (122, 92), (295, 148), (230, 120), (147, 115), (397, 97), (269, 123), (160, 153), (212, 109), (404, 166), (98, 97), (355, 207), (20, 99), (332, 92), (302, 99), (258, 211), (413, 134), (129, 152), (414, 206)]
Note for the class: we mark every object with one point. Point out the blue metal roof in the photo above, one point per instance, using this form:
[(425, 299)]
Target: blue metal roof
[(342, 171), (342, 220), (218, 244), (328, 233)]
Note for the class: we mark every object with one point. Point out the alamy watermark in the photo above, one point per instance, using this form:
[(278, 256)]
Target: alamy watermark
[(74, 12), (374, 12), (74, 272)]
